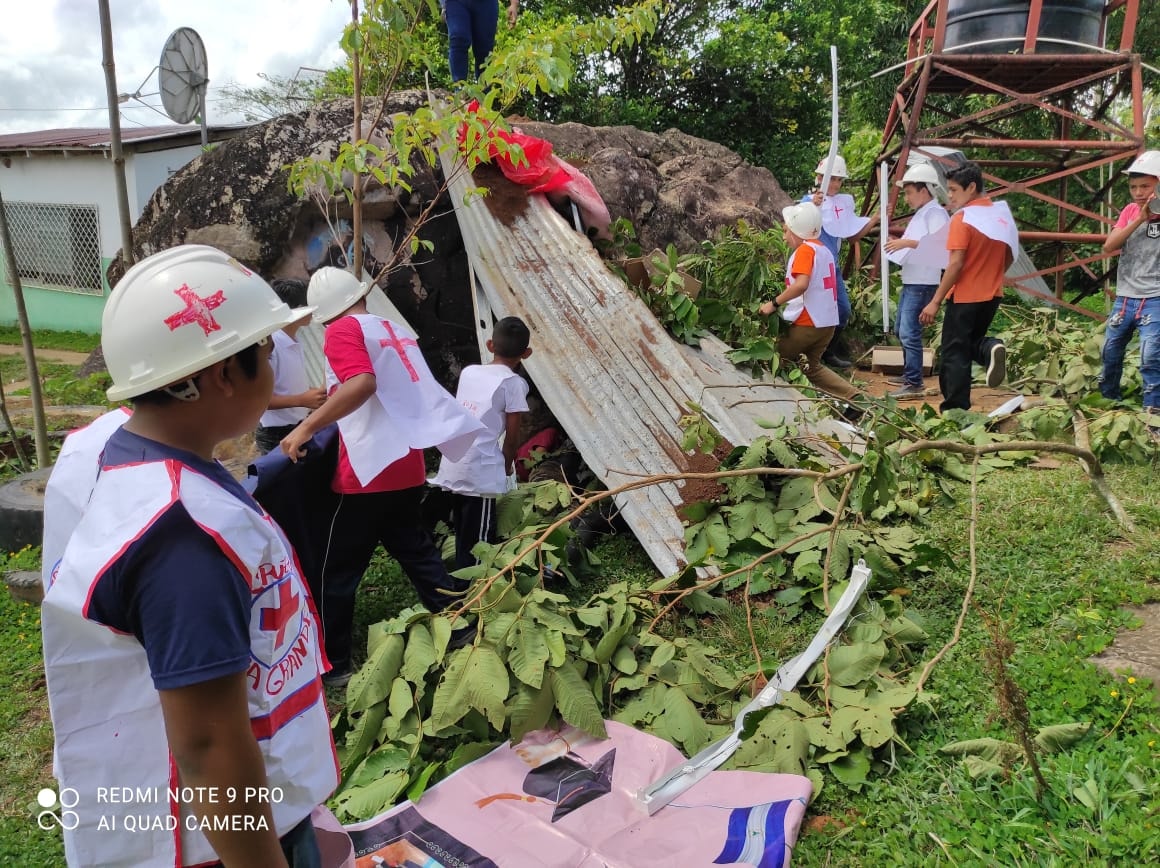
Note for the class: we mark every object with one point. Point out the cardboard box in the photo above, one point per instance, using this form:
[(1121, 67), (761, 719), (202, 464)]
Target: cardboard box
[(641, 269), (888, 360)]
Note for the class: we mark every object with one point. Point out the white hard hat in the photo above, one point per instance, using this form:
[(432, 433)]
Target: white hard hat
[(920, 173), (925, 173), (839, 170), (1148, 163), (803, 219), (333, 290), (179, 311)]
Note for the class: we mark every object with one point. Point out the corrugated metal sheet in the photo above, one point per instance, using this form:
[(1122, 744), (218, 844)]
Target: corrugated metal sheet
[(609, 372), (99, 138)]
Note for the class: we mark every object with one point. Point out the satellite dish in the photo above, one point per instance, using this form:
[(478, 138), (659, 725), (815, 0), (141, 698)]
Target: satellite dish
[(183, 77)]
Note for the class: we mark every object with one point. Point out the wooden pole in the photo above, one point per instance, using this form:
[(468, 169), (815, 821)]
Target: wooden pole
[(356, 137), (39, 424), (115, 133)]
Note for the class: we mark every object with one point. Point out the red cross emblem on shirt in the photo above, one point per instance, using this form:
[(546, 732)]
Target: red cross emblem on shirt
[(830, 281), (399, 345), (277, 618), (196, 310), (838, 211)]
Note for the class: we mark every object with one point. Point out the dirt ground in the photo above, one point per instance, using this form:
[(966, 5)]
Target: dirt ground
[(983, 399)]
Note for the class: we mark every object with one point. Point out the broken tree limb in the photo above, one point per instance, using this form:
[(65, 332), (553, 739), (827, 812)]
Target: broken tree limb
[(1083, 440), (1087, 459)]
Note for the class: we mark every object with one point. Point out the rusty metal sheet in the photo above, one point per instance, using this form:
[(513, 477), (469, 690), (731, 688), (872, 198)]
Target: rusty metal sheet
[(612, 376)]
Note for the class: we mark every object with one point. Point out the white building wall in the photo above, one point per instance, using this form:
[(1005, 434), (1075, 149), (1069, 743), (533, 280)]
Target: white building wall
[(150, 170), (78, 179)]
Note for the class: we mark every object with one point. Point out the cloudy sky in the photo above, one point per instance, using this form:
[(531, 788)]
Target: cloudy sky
[(50, 53)]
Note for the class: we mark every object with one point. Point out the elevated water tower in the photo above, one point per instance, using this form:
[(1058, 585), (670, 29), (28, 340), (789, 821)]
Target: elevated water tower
[(976, 69)]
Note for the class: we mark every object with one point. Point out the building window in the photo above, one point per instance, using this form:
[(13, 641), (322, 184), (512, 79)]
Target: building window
[(56, 246)]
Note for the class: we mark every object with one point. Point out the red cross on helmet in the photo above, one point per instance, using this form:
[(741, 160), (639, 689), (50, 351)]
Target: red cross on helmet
[(179, 311), (1148, 163), (332, 291)]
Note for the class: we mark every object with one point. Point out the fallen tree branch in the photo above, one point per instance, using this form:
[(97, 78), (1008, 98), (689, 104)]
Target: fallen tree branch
[(1087, 458)]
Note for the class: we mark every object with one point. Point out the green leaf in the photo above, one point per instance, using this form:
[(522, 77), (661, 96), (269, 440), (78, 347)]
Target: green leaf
[(419, 784), (529, 655), (383, 760), (852, 664), (530, 709), (977, 768), (990, 749), (419, 656), (401, 701), (611, 639), (852, 769), (681, 722), (1061, 736), (575, 701), (362, 734), (475, 678), (362, 803), (372, 683), (624, 660)]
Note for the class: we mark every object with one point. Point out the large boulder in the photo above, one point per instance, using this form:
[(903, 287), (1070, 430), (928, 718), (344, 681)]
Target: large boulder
[(674, 188)]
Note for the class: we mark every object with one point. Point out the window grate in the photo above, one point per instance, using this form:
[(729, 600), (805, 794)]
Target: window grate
[(57, 246)]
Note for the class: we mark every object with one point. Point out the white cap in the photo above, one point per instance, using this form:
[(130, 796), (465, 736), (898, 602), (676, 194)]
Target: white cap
[(1148, 163)]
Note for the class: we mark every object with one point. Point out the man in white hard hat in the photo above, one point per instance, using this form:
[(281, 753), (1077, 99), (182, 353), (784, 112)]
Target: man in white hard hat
[(839, 220), (982, 241), (1136, 237), (181, 648), (923, 191), (388, 407), (809, 301)]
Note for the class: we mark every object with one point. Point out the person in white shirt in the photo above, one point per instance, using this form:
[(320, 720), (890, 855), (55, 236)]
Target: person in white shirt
[(924, 195), (496, 395), (293, 396)]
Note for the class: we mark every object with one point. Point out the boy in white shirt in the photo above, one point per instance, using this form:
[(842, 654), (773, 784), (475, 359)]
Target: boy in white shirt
[(293, 396), (496, 395), (923, 192)]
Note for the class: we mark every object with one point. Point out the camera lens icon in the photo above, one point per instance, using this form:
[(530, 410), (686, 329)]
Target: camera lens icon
[(49, 818)]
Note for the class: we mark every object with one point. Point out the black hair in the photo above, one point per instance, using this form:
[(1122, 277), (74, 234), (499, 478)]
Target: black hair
[(290, 290), (510, 337), (967, 174), (247, 361)]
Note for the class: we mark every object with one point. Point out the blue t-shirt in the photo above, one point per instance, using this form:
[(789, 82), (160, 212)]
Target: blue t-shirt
[(173, 587)]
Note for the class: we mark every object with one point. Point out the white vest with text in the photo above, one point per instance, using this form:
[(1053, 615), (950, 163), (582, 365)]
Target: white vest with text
[(111, 746)]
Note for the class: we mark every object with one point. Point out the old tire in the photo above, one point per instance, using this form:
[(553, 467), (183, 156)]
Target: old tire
[(22, 510)]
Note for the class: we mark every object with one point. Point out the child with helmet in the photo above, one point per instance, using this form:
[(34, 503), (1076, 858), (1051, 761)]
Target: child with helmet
[(388, 407), (1136, 237), (924, 194), (839, 220), (809, 302), (181, 647)]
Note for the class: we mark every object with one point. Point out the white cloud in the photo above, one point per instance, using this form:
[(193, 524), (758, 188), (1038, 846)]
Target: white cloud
[(50, 53)]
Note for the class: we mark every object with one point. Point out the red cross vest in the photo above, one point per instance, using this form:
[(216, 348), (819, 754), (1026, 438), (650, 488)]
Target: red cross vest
[(409, 410), (111, 747), (821, 296)]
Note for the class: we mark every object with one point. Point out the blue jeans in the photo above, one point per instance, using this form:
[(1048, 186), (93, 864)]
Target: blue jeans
[(915, 296), (470, 24), (1129, 315)]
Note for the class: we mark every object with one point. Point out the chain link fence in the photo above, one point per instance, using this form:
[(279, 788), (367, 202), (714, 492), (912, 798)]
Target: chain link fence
[(56, 246)]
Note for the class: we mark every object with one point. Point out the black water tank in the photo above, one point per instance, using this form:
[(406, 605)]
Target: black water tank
[(980, 20)]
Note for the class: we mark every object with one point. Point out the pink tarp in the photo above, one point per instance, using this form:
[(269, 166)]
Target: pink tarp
[(563, 799)]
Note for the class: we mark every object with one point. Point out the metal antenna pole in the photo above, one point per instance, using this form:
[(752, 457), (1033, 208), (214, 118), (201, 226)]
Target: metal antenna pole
[(115, 132)]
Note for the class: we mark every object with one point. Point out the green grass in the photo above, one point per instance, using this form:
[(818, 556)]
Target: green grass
[(1054, 569), (25, 736), (80, 342)]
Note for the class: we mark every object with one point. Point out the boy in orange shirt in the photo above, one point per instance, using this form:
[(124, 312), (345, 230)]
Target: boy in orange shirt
[(983, 241), (810, 298)]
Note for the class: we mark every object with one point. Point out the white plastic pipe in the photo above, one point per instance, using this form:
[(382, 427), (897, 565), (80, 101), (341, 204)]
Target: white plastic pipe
[(833, 121), (883, 237)]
